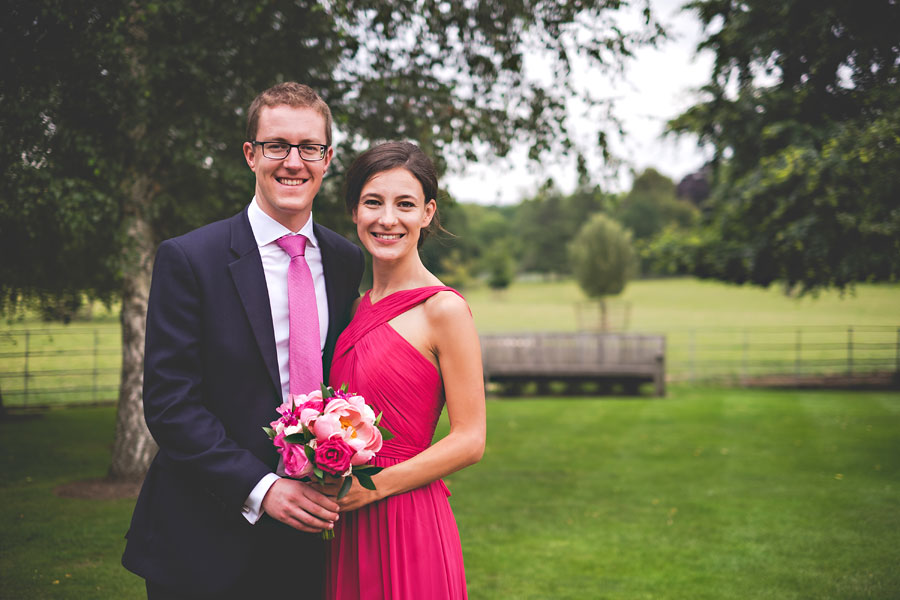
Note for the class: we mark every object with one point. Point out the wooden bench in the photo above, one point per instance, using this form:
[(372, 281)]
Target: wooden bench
[(628, 359)]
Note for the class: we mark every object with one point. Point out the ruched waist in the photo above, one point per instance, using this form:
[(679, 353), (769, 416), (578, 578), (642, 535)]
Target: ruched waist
[(392, 452), (398, 450)]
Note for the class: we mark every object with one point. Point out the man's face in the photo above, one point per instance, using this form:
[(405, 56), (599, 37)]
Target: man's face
[(285, 188)]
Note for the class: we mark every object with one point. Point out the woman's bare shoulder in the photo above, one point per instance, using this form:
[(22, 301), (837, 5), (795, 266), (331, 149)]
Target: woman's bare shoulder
[(447, 308)]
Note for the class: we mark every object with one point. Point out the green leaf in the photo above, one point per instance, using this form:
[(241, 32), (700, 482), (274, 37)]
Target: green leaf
[(385, 434), (269, 432), (378, 418), (320, 474), (365, 480), (345, 487), (368, 469), (327, 391), (310, 453), (344, 387), (295, 438)]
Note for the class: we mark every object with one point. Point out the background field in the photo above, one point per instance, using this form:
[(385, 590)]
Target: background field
[(713, 331), (710, 493), (668, 305)]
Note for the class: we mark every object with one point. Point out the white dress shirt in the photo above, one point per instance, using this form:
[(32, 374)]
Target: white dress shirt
[(275, 262)]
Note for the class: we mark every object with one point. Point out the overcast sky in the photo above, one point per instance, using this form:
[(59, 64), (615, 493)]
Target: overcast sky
[(657, 85)]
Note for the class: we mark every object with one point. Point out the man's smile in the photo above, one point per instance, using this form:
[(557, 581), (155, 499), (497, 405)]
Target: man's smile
[(290, 182)]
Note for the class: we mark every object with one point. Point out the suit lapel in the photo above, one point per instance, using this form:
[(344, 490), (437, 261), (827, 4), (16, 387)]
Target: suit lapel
[(250, 281)]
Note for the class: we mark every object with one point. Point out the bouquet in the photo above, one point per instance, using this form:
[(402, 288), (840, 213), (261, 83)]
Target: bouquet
[(328, 434)]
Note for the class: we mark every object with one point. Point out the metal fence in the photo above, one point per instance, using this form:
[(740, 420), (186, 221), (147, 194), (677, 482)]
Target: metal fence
[(745, 354), (80, 364), (76, 364)]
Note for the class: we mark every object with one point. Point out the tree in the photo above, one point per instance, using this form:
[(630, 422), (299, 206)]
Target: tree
[(542, 227), (802, 110), (550, 217), (651, 205), (122, 121), (602, 260), (500, 264), (694, 187)]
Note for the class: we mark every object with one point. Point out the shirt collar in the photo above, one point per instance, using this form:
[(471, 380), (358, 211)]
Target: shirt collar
[(266, 229)]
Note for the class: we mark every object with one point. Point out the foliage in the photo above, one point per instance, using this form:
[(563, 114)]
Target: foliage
[(802, 112), (602, 257), (652, 205), (501, 266), (455, 270), (545, 221), (129, 109)]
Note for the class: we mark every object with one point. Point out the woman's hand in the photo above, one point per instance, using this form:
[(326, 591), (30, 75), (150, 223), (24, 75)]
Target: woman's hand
[(330, 488), (358, 496)]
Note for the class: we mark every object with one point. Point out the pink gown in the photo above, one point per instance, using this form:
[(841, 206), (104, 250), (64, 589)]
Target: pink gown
[(405, 546)]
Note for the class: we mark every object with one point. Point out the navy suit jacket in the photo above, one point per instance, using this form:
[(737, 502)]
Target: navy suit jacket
[(211, 382)]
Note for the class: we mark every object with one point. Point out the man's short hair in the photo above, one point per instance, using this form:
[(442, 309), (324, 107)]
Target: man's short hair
[(289, 93)]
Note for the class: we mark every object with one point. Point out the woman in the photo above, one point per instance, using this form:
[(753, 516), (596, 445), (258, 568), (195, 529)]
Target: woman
[(411, 347)]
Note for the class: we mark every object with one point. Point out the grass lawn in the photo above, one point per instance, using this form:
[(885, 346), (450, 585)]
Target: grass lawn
[(53, 547), (710, 493)]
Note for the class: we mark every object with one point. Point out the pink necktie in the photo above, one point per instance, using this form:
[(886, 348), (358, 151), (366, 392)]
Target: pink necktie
[(305, 347)]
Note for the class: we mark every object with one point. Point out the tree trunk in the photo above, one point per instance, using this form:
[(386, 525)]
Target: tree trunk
[(604, 316), (134, 448)]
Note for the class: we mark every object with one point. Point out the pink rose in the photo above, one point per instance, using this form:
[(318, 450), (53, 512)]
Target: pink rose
[(301, 408), (333, 456), (296, 464), (309, 411)]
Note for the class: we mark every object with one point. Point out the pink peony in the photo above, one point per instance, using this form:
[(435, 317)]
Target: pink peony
[(328, 426), (333, 456), (352, 420), (296, 464)]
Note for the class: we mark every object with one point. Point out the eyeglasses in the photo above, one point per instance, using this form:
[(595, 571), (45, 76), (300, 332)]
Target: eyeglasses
[(280, 150)]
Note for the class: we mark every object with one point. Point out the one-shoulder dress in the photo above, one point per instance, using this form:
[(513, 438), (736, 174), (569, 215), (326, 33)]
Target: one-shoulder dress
[(405, 546)]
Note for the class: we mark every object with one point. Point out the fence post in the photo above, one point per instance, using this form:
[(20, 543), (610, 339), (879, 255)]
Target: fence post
[(744, 352), (798, 350), (849, 352), (25, 373), (691, 359), (95, 373)]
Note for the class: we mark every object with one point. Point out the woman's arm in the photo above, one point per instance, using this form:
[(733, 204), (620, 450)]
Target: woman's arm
[(453, 338)]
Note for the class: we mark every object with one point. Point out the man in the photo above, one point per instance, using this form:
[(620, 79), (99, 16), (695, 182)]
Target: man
[(212, 519)]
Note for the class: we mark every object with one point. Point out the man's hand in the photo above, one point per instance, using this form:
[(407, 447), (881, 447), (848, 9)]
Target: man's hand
[(300, 506)]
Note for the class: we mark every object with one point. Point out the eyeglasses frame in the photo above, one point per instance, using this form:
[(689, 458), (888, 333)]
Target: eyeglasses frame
[(323, 147)]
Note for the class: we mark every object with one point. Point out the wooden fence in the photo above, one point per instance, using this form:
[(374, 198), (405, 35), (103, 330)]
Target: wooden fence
[(75, 364)]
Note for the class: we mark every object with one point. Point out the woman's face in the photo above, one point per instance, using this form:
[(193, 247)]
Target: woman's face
[(391, 213)]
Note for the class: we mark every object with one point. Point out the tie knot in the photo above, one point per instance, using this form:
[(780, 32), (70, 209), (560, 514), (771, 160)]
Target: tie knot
[(294, 245)]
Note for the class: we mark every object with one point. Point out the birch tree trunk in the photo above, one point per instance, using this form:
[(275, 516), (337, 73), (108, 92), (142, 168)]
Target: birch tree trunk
[(134, 448)]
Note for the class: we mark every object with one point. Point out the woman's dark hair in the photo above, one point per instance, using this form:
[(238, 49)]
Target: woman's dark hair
[(393, 155)]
